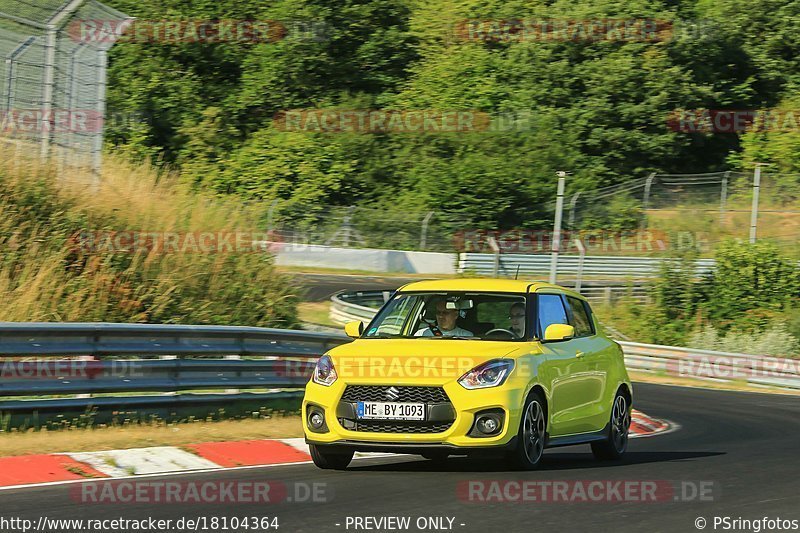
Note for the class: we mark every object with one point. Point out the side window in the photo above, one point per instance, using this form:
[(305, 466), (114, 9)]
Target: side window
[(551, 311), (580, 318)]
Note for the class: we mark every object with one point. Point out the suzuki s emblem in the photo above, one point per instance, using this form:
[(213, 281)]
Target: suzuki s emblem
[(392, 393)]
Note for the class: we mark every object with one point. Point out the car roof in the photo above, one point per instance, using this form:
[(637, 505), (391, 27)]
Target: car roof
[(483, 285)]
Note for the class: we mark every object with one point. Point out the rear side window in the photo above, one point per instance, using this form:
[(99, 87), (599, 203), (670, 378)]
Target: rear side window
[(580, 318), (551, 311)]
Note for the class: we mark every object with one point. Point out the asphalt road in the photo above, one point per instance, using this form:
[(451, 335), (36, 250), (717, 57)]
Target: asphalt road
[(320, 287), (743, 447)]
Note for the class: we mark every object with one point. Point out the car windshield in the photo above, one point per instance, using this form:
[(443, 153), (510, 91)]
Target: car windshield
[(452, 315)]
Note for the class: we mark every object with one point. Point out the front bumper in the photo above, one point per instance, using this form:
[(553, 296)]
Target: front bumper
[(457, 418)]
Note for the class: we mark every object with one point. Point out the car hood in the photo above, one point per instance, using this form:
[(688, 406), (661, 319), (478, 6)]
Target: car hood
[(449, 358)]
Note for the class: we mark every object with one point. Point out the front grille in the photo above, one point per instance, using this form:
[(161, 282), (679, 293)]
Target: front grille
[(377, 393), (396, 426)]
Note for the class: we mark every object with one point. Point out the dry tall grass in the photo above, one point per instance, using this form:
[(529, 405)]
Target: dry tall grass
[(44, 276)]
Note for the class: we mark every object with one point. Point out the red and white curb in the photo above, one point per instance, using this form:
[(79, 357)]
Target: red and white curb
[(28, 470), (643, 425)]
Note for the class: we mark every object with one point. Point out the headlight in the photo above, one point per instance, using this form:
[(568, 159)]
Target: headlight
[(324, 373), (489, 374)]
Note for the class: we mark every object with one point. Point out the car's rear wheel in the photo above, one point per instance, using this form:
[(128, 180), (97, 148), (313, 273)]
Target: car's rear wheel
[(531, 436), (329, 458), (617, 443)]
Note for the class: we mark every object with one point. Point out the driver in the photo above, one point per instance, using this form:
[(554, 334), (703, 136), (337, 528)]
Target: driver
[(517, 317), (446, 322)]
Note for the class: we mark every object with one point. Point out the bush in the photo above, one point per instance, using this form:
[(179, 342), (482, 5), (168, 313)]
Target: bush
[(775, 341), (750, 286)]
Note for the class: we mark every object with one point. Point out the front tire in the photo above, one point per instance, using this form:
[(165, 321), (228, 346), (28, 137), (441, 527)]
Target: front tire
[(531, 435), (617, 443), (327, 458)]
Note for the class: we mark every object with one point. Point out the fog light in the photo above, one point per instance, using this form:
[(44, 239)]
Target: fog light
[(316, 420), (488, 424)]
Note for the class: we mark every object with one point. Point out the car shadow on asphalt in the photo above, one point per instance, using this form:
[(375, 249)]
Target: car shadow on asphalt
[(552, 461)]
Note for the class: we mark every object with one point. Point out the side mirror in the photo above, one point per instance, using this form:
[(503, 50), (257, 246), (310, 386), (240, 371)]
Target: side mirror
[(558, 332), (354, 329)]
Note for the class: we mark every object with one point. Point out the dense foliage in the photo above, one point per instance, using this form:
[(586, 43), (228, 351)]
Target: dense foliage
[(598, 108), (747, 303)]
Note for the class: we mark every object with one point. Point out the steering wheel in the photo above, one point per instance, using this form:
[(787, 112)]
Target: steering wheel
[(501, 330)]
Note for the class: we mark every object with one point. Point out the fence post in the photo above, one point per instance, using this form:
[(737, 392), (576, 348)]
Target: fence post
[(562, 179), (646, 200), (48, 90), (423, 238), (51, 35), (579, 274), (754, 207), (271, 216), (573, 201), (723, 198), (97, 149), (496, 249)]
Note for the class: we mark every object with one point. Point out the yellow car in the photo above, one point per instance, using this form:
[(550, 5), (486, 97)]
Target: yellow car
[(471, 366)]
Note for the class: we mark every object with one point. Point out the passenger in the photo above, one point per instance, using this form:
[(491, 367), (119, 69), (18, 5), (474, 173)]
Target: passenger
[(517, 316), (446, 323)]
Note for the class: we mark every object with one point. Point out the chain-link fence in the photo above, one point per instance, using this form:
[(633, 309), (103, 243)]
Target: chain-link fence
[(53, 80), (691, 210), (654, 215), (364, 227)]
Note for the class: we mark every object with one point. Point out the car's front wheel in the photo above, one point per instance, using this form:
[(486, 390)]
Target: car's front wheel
[(616, 444), (328, 458), (531, 436)]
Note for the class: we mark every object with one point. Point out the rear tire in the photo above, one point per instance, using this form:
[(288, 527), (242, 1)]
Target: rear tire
[(527, 454), (329, 458), (617, 443)]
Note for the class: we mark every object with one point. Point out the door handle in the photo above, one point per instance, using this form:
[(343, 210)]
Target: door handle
[(579, 355)]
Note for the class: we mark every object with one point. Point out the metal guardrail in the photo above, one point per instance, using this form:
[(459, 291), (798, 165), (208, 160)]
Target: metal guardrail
[(711, 365), (675, 361), (59, 338), (606, 266), (123, 360), (52, 361), (362, 305)]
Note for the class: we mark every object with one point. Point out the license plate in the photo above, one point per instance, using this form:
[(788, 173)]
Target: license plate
[(391, 410)]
